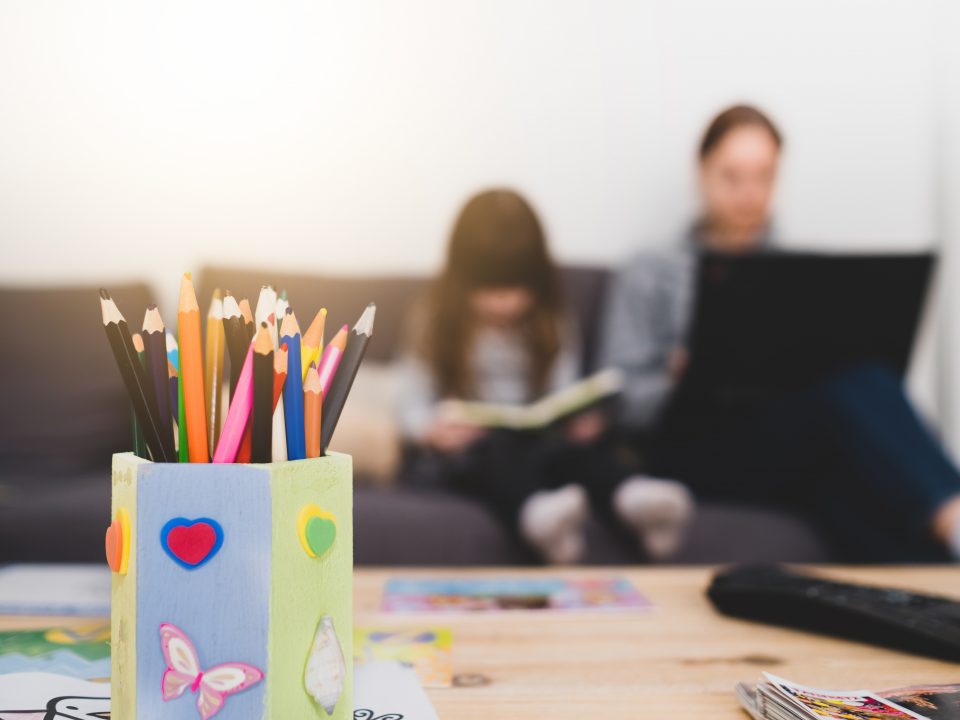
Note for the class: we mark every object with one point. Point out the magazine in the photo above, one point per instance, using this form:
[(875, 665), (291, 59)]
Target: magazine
[(774, 698)]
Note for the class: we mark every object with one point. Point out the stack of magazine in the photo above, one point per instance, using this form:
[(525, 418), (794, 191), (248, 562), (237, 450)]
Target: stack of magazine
[(774, 698)]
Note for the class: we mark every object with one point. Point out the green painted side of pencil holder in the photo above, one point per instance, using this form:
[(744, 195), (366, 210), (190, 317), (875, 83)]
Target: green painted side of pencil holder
[(232, 589)]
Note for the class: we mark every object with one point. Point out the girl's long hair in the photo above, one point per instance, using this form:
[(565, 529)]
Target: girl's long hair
[(497, 242)]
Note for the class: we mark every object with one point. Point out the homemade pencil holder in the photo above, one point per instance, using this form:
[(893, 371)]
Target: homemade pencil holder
[(232, 589)]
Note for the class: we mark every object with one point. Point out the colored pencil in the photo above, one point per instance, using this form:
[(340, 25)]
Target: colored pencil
[(213, 368), (241, 404), (191, 371), (279, 418), (262, 432), (332, 355), (336, 398), (155, 351), (118, 335), (293, 388), (174, 380), (281, 310), (267, 306), (183, 439), (139, 444), (312, 411), (246, 443), (249, 326), (279, 374), (245, 450), (173, 350), (312, 341), (234, 334)]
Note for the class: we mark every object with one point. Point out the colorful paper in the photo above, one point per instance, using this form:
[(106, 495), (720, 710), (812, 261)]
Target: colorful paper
[(81, 652), (485, 595), (55, 590), (428, 651)]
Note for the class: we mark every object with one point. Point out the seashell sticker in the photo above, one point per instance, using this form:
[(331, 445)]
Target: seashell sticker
[(326, 670)]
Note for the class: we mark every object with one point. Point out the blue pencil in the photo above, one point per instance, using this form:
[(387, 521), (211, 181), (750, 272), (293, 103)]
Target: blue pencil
[(173, 350), (293, 388)]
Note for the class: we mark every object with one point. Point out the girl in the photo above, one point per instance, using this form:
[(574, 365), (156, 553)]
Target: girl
[(495, 330)]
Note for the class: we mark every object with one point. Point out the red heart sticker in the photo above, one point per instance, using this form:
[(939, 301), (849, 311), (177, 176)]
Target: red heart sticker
[(191, 543)]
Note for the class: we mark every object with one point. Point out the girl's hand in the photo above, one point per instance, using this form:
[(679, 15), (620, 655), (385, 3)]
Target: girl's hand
[(585, 428), (448, 436)]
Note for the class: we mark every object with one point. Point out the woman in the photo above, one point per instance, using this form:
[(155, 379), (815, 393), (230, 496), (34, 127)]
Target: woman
[(496, 330), (850, 452)]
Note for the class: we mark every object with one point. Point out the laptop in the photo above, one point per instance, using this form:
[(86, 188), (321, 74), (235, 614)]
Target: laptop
[(766, 324)]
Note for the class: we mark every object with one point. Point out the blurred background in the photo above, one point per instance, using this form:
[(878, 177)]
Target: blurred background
[(141, 140)]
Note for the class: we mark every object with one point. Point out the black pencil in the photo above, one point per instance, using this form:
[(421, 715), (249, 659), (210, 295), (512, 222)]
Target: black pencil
[(249, 326), (139, 444), (118, 334), (336, 397), (261, 450), (235, 335), (158, 372)]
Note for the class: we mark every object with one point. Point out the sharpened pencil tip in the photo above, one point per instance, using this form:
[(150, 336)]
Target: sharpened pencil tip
[(104, 294), (364, 325)]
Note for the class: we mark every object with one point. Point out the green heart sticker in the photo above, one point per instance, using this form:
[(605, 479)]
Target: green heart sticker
[(320, 532)]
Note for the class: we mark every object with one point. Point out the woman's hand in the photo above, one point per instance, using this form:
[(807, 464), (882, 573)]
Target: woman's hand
[(677, 363), (586, 427), (450, 436)]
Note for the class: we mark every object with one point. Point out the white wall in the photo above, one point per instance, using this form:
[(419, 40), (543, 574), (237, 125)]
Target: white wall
[(145, 139)]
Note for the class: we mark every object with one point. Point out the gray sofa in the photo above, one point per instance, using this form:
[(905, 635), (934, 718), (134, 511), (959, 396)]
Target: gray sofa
[(64, 413)]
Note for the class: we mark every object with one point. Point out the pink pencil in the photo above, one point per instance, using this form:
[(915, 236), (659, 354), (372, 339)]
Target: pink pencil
[(331, 359), (237, 416)]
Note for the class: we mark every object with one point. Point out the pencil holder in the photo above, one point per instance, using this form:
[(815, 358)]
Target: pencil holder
[(232, 590)]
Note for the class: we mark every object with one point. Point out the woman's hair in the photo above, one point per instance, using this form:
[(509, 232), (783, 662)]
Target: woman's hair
[(497, 242), (732, 118)]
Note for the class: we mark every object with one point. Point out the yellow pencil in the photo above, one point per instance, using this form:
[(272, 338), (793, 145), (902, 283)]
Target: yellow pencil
[(313, 341), (213, 370)]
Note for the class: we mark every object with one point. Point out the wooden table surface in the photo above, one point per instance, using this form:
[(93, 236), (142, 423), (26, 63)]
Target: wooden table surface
[(678, 660)]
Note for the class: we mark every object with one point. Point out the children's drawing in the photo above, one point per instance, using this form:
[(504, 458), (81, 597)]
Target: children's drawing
[(47, 696)]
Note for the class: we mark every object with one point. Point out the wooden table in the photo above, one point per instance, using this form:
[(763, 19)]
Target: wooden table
[(679, 660)]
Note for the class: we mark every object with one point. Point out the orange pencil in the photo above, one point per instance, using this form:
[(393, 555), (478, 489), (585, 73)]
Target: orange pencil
[(312, 404), (191, 372)]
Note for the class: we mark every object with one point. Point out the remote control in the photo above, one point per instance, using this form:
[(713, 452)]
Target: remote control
[(922, 624)]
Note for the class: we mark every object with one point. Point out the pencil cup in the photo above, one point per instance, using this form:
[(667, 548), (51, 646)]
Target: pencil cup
[(232, 590)]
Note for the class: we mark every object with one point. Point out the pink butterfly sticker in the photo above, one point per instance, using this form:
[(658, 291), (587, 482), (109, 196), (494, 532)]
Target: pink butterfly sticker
[(212, 686)]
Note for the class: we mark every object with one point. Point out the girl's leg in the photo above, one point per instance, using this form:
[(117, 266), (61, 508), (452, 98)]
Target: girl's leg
[(507, 471), (655, 511)]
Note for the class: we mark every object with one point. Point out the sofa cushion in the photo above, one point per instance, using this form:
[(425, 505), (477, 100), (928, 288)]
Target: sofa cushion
[(65, 410)]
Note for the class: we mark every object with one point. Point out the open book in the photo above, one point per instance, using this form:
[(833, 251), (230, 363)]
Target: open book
[(571, 400)]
